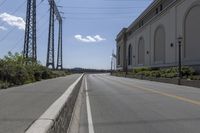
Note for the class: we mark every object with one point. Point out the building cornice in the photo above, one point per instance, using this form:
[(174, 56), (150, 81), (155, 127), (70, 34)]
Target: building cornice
[(144, 13), (121, 34)]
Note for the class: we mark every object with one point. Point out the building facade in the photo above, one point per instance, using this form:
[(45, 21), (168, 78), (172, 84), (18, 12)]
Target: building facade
[(151, 40)]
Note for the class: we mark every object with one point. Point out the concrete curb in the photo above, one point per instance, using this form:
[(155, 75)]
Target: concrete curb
[(57, 117), (75, 121)]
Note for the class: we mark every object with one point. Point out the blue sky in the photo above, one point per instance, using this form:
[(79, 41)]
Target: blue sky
[(89, 30)]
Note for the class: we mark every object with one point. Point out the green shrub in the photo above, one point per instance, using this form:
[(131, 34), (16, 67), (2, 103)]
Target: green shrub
[(46, 74), (188, 71), (155, 74), (14, 71), (158, 72), (138, 70), (20, 76)]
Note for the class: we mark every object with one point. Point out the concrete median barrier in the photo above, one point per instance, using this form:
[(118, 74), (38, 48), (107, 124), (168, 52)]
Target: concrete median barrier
[(57, 117)]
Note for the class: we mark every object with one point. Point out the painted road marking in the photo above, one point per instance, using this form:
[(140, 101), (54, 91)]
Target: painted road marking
[(89, 114), (195, 102), (170, 95)]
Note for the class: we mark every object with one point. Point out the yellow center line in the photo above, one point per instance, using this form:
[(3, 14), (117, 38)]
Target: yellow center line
[(195, 102), (170, 95)]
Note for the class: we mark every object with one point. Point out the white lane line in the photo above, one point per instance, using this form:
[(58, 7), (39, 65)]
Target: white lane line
[(89, 114)]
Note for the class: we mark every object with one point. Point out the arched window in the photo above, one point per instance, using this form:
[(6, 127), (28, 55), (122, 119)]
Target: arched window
[(159, 45), (141, 51), (129, 54), (192, 34), (118, 56)]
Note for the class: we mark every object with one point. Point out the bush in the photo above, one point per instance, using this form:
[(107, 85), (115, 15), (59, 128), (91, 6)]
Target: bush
[(138, 70), (157, 72), (187, 71), (20, 76), (13, 71), (46, 74)]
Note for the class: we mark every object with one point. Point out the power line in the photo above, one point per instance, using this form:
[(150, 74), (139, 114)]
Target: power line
[(102, 19), (39, 35), (16, 44), (107, 8), (129, 0), (14, 28), (115, 0), (17, 9), (100, 13), (1, 4), (21, 39), (8, 33), (14, 12)]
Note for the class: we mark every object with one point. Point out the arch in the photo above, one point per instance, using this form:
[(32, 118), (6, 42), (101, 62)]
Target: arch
[(130, 54), (118, 56), (191, 33), (159, 45), (141, 51)]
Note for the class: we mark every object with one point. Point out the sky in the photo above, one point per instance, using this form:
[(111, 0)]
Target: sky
[(89, 28)]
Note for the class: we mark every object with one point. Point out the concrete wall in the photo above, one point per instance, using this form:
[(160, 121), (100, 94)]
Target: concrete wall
[(172, 20), (57, 118), (182, 12)]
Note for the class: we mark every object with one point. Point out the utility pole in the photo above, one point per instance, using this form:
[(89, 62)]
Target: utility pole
[(126, 67), (179, 61), (114, 58), (30, 47), (111, 66)]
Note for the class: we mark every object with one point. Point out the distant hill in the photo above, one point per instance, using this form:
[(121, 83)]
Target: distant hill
[(84, 70)]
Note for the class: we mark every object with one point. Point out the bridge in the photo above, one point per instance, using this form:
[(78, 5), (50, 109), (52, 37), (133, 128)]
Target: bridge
[(95, 103), (91, 102)]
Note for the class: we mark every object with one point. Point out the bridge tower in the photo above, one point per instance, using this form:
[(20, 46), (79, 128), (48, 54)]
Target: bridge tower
[(60, 56), (30, 47), (50, 49), (54, 12)]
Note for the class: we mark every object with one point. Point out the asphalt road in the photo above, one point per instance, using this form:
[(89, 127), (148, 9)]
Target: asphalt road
[(122, 105), (20, 106)]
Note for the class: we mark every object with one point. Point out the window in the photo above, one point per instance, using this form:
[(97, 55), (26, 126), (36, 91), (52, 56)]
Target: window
[(141, 51), (130, 55), (118, 56), (157, 11), (129, 33), (141, 23), (161, 7), (159, 45)]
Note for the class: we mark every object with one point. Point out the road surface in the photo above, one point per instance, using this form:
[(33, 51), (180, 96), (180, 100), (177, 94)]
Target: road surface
[(122, 105), (20, 106)]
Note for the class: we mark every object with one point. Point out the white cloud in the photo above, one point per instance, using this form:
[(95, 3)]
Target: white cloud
[(2, 28), (89, 39), (99, 38), (13, 20)]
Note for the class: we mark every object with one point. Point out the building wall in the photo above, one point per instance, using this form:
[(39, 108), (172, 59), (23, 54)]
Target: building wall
[(182, 11), (172, 20)]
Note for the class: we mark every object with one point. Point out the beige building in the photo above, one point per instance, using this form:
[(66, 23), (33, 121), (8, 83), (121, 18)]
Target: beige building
[(151, 40)]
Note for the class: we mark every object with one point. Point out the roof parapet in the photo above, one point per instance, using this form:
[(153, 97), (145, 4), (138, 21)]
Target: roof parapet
[(145, 12), (121, 33)]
